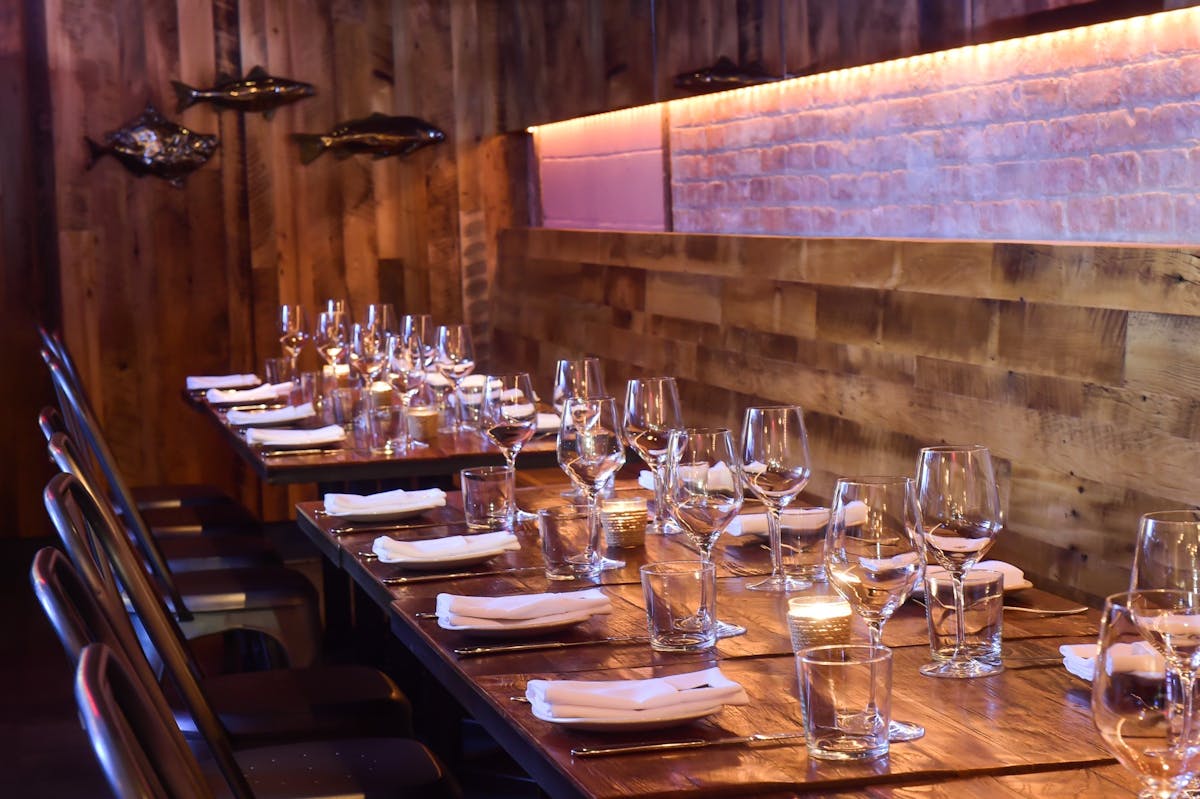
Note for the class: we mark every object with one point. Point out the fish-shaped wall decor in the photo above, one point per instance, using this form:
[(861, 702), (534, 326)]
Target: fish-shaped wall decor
[(723, 75), (379, 135), (151, 144), (258, 91)]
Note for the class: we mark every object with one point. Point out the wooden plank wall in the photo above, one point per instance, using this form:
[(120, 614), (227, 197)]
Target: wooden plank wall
[(157, 282), (1076, 365)]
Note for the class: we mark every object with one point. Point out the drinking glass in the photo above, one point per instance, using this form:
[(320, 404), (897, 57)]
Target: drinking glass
[(329, 337), (704, 490), (873, 555), (381, 316), (776, 467), (368, 352), (405, 371), (960, 512), (1147, 718), (508, 413), (337, 306), (590, 449), (421, 326), (577, 378), (455, 359), (1168, 545), (651, 413), (293, 331)]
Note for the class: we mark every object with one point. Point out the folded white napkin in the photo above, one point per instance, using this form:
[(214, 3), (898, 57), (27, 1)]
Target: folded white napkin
[(267, 392), (647, 699), (794, 519), (396, 501), (1012, 575), (435, 378), (205, 382), (289, 413), (449, 548), (519, 610), (719, 476), (548, 422), (1136, 658), (646, 479), (330, 434)]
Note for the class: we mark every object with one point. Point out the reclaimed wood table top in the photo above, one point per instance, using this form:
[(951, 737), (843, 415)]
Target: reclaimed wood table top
[(343, 463), (1024, 732)]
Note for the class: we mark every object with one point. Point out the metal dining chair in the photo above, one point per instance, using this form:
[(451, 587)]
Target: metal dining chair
[(272, 601), (146, 497), (144, 756), (256, 707)]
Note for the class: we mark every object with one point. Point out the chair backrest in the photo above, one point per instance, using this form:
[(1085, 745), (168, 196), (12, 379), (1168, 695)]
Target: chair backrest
[(67, 457), (152, 613), (50, 421), (142, 752)]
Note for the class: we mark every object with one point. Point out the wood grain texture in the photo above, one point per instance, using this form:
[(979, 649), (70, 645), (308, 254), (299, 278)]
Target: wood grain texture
[(1092, 408)]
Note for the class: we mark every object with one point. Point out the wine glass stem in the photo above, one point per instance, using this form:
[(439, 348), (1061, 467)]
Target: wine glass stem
[(1187, 689), (591, 494), (874, 631), (775, 534), (960, 612), (660, 498)]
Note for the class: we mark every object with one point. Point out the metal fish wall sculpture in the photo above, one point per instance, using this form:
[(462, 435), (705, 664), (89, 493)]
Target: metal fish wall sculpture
[(379, 135), (258, 91), (723, 75), (151, 144)]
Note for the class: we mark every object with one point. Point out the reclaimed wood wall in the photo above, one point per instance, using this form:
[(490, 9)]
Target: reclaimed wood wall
[(1077, 366), (150, 283)]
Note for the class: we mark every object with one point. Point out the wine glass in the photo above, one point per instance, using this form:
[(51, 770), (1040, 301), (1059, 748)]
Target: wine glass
[(293, 331), (590, 451), (508, 413), (873, 555), (776, 467), (960, 512), (1168, 545), (381, 316), (421, 325), (368, 352), (329, 337), (704, 491), (651, 413), (1133, 706), (405, 368), (455, 359), (577, 378)]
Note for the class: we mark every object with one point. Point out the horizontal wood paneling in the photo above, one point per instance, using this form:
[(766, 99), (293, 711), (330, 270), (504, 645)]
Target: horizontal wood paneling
[(1091, 408)]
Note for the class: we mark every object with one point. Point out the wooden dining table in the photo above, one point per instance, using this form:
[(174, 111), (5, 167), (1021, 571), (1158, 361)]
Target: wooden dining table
[(344, 463), (1022, 733)]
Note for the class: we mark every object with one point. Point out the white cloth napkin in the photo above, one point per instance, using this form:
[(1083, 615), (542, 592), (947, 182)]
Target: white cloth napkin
[(520, 610), (397, 501), (449, 548), (330, 434), (289, 413), (1136, 658), (548, 422), (646, 479), (1012, 575), (795, 519), (205, 382), (267, 392), (658, 697)]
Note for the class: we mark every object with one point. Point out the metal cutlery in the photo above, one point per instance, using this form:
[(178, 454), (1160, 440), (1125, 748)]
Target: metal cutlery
[(343, 529), (690, 743), (1045, 612), (429, 578), (473, 651), (279, 453)]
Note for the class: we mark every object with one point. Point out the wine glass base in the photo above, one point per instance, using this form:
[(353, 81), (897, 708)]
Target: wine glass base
[(608, 564), (524, 516), (780, 583), (900, 731), (961, 669), (727, 630)]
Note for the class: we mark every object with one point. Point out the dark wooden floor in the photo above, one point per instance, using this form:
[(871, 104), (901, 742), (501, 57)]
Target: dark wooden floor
[(47, 754)]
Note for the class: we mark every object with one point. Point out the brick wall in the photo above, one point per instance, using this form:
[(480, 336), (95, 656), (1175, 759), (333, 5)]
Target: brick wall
[(1090, 134)]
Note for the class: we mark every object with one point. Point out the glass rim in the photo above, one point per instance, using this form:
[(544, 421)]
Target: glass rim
[(702, 431), (677, 567), (653, 379), (1121, 598), (822, 655), (565, 511), (485, 470), (873, 479), (956, 448), (1192, 516)]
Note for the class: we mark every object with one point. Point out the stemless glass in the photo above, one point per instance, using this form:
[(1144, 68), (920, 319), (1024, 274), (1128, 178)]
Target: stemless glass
[(577, 378), (776, 467), (873, 555), (1149, 730), (960, 511), (704, 490), (651, 413), (455, 359), (508, 413), (591, 450), (293, 332)]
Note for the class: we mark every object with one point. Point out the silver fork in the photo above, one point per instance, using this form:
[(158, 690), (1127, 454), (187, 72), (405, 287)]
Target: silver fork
[(743, 571)]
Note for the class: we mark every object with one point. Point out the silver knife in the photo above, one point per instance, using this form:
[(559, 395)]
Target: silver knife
[(280, 453), (342, 529), (473, 651), (428, 578), (690, 743)]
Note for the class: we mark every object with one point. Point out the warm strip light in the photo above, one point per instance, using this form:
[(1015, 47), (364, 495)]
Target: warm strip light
[(985, 59)]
